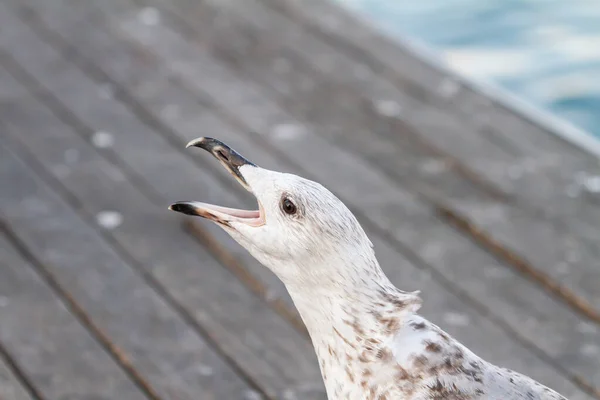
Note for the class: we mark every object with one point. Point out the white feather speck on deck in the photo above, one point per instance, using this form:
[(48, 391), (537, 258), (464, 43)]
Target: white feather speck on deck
[(109, 219)]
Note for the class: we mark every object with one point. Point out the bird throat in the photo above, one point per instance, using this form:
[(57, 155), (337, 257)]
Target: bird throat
[(351, 326)]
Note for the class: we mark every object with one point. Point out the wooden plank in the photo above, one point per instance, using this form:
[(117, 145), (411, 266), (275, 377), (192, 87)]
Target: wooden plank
[(408, 161), (11, 389), (53, 349), (441, 292), (363, 41), (163, 346), (239, 322), (13, 384)]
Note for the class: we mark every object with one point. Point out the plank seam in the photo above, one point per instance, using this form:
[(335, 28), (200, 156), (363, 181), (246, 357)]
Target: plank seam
[(14, 366), (118, 355), (519, 263)]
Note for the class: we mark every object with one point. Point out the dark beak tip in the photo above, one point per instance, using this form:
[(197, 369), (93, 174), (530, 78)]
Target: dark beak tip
[(174, 207), (204, 142), (182, 208)]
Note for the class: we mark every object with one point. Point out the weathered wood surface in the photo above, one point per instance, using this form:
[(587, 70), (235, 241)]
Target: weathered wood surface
[(169, 358), (287, 88), (50, 346), (10, 387)]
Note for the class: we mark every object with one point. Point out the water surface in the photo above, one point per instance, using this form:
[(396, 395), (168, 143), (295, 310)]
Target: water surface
[(546, 51)]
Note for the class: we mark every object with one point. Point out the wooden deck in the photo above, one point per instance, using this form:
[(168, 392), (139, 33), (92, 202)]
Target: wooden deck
[(105, 294)]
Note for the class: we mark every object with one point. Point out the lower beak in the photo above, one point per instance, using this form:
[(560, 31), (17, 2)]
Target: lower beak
[(221, 215), (197, 209)]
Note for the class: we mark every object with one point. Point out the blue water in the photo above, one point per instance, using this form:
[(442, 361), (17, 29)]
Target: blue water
[(546, 51)]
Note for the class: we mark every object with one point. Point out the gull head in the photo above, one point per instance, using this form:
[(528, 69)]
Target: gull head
[(300, 230)]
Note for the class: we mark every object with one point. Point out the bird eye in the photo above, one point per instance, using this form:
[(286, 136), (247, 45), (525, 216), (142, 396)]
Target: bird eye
[(288, 206)]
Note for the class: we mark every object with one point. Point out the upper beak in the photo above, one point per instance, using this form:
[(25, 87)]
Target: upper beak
[(227, 156)]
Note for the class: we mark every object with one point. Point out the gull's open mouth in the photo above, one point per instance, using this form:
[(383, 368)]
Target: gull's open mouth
[(232, 161)]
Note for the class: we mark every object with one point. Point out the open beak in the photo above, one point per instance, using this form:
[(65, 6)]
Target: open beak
[(232, 161)]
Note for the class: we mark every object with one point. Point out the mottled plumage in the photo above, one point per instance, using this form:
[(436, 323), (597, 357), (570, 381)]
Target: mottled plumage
[(369, 339)]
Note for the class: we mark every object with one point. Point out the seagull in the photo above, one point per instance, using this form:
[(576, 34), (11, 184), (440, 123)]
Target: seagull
[(369, 339)]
